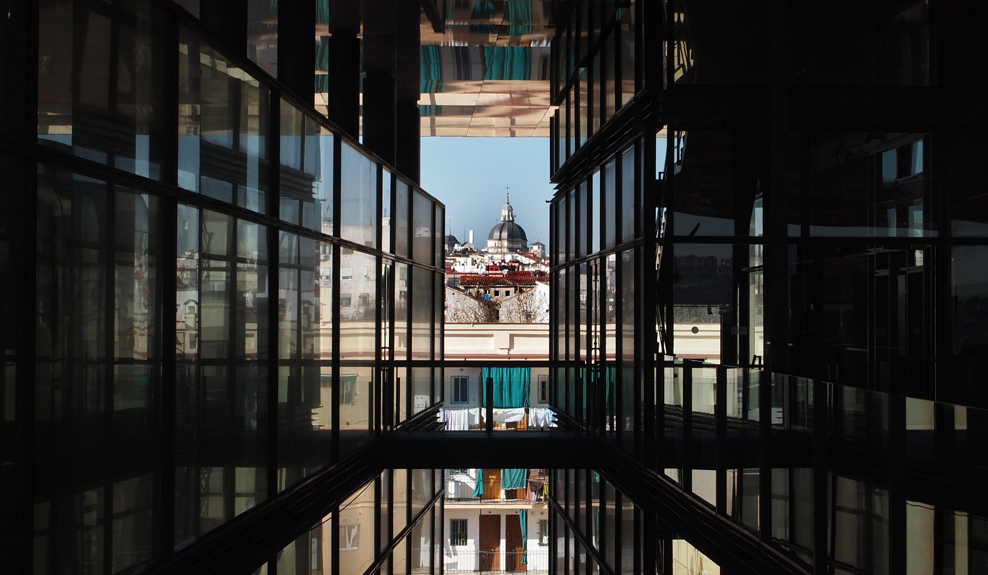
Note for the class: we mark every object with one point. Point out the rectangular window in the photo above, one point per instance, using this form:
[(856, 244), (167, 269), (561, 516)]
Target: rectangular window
[(543, 532), (349, 537), (544, 388), (460, 392), (346, 273), (348, 389), (344, 300), (457, 531)]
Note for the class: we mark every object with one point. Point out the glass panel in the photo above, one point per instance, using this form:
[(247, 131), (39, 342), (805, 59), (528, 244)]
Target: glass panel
[(262, 34), (626, 37), (401, 336), (630, 198), (610, 205), (358, 301), (385, 509), (401, 501), (307, 160), (420, 542), (356, 530), (423, 242), (222, 315), (402, 197), (223, 128), (596, 214), (883, 47), (860, 534), (421, 315), (358, 191), (628, 547), (96, 377), (356, 407), (969, 290), (629, 382), (703, 284), (706, 168), (100, 83), (962, 168), (386, 185), (422, 489), (440, 218), (305, 344), (869, 185), (581, 221)]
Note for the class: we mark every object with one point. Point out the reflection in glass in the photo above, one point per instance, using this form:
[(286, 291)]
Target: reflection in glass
[(223, 128), (358, 192), (101, 83)]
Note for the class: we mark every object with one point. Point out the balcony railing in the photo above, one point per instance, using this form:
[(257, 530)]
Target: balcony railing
[(459, 560)]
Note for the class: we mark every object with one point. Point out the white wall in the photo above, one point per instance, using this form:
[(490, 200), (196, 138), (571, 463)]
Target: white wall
[(465, 557)]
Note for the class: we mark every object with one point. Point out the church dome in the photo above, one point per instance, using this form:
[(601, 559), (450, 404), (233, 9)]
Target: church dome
[(506, 235), (507, 231)]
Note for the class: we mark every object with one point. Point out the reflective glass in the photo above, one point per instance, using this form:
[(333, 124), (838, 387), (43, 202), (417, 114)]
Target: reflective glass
[(356, 532), (356, 407), (860, 531), (402, 198), (969, 287), (223, 129), (101, 83), (626, 42), (609, 194), (262, 34), (887, 47), (629, 382), (358, 193), (838, 194), (358, 305), (402, 302), (423, 246), (305, 379), (386, 186), (306, 177), (420, 541), (630, 196), (421, 313), (422, 489)]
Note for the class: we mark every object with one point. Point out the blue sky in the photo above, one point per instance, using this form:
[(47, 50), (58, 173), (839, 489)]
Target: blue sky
[(469, 176)]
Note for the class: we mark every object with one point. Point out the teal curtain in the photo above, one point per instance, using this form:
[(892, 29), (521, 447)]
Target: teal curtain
[(483, 10), (478, 487), (432, 69), (523, 519), (610, 388), (322, 11), (508, 62), (514, 478), (511, 386), (519, 15)]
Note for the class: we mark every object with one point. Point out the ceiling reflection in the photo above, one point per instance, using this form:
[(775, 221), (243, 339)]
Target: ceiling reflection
[(488, 73)]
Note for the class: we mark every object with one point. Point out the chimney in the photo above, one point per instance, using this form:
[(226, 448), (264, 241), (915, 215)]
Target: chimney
[(471, 237)]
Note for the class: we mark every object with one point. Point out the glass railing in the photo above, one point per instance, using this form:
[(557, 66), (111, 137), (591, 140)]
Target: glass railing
[(822, 439)]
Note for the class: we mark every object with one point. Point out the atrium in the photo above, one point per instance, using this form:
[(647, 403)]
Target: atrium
[(221, 284)]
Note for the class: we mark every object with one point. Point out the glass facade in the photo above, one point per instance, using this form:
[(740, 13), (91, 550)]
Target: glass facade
[(750, 250), (200, 299), (767, 326)]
